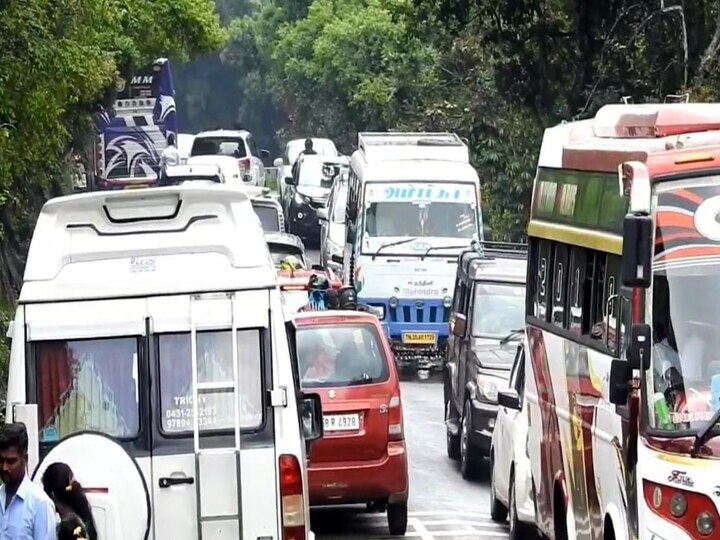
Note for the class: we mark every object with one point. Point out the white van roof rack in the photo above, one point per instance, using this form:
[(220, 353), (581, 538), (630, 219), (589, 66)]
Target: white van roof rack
[(415, 145), (170, 240)]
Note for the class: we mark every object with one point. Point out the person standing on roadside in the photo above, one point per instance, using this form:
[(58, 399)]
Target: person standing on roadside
[(26, 512)]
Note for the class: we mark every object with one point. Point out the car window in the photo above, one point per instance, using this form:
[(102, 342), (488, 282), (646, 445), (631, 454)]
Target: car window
[(214, 357), (251, 144), (498, 309), (219, 146), (279, 251), (339, 205), (341, 355), (86, 385), (269, 218)]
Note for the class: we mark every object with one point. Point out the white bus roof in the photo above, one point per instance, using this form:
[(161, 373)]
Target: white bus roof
[(404, 146), (416, 170), (155, 241)]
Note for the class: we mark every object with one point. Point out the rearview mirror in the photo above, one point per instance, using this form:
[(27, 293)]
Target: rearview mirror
[(619, 383), (509, 398), (289, 180), (278, 162), (336, 258), (637, 251), (639, 345), (311, 417), (460, 325), (322, 214)]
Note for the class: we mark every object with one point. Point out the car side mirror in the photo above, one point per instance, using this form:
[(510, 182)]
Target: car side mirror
[(311, 417), (264, 154), (322, 214), (619, 383), (639, 346), (278, 162), (509, 398), (289, 180), (460, 325), (637, 250), (336, 258)]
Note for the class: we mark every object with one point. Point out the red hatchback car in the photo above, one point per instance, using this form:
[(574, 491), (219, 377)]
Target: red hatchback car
[(345, 357)]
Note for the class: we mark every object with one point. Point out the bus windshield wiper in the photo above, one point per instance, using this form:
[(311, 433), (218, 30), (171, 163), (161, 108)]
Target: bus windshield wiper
[(511, 335), (391, 244), (705, 434), (433, 248)]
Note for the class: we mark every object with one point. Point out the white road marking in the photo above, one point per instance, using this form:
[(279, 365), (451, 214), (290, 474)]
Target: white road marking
[(442, 513), (461, 522), (420, 529), (462, 534)]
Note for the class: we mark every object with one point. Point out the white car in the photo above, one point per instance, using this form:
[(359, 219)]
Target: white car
[(228, 165), (511, 493), (178, 174), (235, 143), (293, 149), (184, 144), (332, 228)]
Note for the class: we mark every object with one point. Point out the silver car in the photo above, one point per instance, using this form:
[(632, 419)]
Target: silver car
[(238, 144), (332, 227), (293, 149)]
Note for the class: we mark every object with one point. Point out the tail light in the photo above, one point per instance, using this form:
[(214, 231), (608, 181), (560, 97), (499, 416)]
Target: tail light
[(395, 416), (291, 498), (244, 163), (691, 511)]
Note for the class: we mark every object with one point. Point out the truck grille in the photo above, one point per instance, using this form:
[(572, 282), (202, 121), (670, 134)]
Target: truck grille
[(412, 314)]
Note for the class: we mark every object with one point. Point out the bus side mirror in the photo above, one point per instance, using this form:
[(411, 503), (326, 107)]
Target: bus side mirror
[(350, 234), (619, 383), (637, 251), (459, 328), (638, 351)]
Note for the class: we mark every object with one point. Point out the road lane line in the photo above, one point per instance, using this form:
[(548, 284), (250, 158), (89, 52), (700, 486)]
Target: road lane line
[(485, 524), (420, 529), (442, 513), (464, 533)]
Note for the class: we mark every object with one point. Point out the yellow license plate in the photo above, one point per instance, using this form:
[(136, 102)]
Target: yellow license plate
[(422, 338)]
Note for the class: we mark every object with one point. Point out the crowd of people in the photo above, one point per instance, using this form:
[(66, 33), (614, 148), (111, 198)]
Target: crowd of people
[(59, 510)]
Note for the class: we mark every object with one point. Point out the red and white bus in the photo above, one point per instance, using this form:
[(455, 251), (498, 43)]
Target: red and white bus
[(623, 313)]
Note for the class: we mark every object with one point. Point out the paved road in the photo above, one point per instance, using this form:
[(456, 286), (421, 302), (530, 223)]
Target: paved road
[(442, 504)]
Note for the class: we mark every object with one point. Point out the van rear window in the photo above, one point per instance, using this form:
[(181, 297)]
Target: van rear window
[(269, 218), (214, 357), (219, 146), (85, 385), (340, 355)]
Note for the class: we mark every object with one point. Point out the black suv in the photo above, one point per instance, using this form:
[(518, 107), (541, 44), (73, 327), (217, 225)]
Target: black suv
[(486, 322)]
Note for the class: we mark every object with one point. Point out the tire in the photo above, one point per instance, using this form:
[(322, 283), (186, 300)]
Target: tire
[(452, 441), (518, 529), (470, 459), (498, 512), (397, 516)]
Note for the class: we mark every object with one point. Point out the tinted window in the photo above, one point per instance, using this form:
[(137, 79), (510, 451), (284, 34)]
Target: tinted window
[(269, 218), (498, 309), (339, 205), (442, 219), (542, 286), (559, 284), (279, 251), (219, 146), (214, 357), (88, 385), (342, 355), (576, 289)]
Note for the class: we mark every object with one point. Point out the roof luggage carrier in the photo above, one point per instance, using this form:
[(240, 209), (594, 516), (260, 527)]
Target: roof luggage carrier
[(488, 250), (393, 146)]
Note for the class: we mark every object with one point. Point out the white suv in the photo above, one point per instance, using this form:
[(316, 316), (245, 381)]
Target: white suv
[(236, 143)]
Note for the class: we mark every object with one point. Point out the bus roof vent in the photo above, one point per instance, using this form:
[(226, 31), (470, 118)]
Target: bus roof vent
[(389, 146), (648, 121)]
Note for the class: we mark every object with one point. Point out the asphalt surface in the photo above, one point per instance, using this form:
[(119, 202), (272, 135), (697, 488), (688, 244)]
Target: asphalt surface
[(442, 504)]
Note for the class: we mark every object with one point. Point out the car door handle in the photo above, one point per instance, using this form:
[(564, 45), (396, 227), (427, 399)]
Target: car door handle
[(166, 482)]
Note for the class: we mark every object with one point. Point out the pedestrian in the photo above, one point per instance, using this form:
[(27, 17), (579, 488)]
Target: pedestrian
[(170, 155), (26, 512), (309, 150), (69, 497), (72, 528)]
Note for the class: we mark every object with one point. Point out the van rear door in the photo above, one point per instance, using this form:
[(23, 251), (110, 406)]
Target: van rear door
[(216, 491)]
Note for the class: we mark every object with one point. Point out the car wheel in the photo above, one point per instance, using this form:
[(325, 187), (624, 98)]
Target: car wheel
[(470, 460), (453, 441), (397, 516), (498, 512)]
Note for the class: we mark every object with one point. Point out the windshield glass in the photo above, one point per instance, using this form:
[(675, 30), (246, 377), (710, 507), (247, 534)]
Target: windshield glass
[(340, 203), (421, 210), (219, 146), (323, 147), (269, 218), (279, 251), (684, 381), (320, 174), (340, 355), (498, 309)]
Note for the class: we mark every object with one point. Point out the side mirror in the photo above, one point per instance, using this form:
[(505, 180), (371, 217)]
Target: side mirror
[(289, 180), (460, 325), (639, 346), (509, 398), (278, 162), (637, 251), (264, 154), (336, 258), (311, 417), (619, 383), (322, 214), (350, 234)]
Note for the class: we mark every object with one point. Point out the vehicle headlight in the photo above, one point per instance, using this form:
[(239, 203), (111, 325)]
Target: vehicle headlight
[(447, 302), (393, 302), (487, 389)]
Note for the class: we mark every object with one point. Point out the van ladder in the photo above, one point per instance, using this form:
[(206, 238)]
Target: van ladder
[(203, 388)]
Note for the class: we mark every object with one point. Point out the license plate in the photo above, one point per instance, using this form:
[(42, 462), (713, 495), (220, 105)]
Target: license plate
[(342, 422), (422, 338)]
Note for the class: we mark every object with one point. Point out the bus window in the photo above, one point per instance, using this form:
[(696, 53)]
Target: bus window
[(612, 303), (598, 289), (559, 292), (542, 287), (576, 278)]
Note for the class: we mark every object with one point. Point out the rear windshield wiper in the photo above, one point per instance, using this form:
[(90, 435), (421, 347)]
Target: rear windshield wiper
[(511, 335), (363, 379), (433, 248), (391, 244), (705, 434)]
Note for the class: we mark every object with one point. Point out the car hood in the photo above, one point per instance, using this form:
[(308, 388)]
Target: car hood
[(491, 354), (314, 192)]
